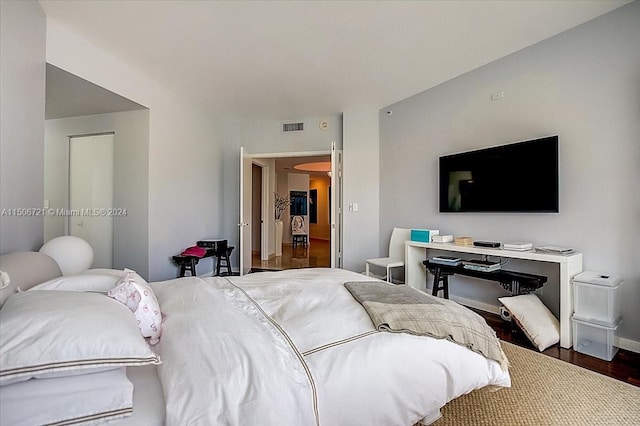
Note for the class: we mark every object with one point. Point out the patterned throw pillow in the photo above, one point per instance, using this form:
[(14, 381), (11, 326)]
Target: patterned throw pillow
[(134, 292), (536, 320)]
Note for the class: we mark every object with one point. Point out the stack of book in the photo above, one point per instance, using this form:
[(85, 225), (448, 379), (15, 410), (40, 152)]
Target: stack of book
[(446, 260), (464, 241), (442, 238), (481, 265)]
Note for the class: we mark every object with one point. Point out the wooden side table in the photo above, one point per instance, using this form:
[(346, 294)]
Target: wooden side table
[(221, 251)]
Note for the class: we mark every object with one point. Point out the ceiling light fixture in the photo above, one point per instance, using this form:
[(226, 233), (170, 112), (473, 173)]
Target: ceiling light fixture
[(320, 166)]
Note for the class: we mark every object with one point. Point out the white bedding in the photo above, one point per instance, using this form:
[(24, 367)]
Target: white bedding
[(148, 402), (85, 398), (294, 348)]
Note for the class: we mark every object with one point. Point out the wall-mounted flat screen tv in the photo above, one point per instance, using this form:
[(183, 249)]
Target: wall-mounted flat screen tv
[(517, 177)]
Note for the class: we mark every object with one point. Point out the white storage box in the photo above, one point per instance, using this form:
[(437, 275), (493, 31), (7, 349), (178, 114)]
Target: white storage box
[(596, 298), (423, 235), (594, 339), (597, 278)]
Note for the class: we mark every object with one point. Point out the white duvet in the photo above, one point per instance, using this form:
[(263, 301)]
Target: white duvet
[(295, 348)]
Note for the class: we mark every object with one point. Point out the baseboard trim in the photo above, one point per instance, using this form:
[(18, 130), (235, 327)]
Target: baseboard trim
[(475, 304), (627, 344)]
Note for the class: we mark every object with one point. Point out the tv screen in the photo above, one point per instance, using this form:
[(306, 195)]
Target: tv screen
[(518, 177)]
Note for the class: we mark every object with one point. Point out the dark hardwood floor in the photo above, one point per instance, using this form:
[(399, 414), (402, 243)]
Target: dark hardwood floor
[(625, 366)]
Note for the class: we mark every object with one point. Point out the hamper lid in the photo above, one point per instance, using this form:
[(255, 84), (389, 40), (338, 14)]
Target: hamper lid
[(590, 277)]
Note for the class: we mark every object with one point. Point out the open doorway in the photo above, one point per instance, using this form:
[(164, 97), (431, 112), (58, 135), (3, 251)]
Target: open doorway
[(309, 191), (321, 215)]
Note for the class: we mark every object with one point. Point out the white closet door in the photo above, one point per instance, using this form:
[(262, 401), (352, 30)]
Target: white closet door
[(91, 194)]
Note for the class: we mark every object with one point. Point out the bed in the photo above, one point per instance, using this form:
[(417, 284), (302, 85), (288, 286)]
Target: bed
[(271, 348)]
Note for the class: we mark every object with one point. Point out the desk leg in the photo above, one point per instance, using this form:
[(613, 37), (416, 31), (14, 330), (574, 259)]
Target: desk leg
[(415, 273), (567, 272)]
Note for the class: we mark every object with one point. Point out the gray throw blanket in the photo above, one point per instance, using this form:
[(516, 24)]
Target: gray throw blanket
[(403, 309)]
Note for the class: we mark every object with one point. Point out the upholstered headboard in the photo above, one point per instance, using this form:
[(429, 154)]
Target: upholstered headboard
[(24, 270)]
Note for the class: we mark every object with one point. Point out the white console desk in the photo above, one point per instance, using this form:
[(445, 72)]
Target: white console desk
[(416, 274)]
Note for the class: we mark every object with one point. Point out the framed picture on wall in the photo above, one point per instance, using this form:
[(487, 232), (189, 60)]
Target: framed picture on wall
[(298, 203)]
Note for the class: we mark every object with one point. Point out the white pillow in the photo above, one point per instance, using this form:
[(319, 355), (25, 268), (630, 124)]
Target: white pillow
[(134, 292), (55, 333), (68, 400), (535, 319), (100, 280)]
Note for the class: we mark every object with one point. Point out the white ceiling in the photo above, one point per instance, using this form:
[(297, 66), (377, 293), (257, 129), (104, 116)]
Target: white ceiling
[(289, 59)]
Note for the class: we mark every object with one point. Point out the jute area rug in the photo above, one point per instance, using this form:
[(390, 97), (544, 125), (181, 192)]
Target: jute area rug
[(547, 391)]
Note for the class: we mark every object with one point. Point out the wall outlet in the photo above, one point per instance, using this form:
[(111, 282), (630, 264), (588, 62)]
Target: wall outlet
[(497, 95)]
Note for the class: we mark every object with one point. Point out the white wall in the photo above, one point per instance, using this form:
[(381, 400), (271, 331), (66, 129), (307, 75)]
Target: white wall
[(131, 189), (582, 85), (322, 228), (22, 82), (131, 180), (185, 166), (361, 232)]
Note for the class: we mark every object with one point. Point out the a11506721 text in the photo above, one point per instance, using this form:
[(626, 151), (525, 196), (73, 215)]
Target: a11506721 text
[(85, 212)]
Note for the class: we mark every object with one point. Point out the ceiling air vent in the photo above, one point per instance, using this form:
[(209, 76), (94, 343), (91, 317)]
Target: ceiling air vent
[(292, 127)]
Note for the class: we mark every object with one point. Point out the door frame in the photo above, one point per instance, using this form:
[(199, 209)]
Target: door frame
[(335, 211), (264, 208), (336, 245)]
